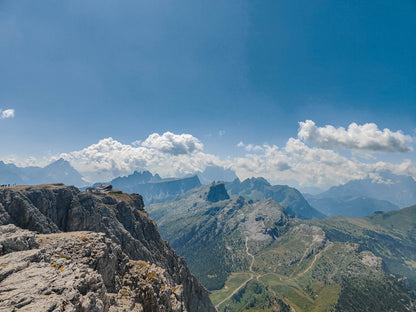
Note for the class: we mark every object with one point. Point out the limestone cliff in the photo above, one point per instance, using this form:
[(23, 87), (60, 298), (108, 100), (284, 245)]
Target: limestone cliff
[(57, 208)]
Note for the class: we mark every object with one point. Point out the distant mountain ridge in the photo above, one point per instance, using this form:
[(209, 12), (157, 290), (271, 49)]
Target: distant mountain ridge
[(400, 190), (290, 198), (350, 206), (59, 171), (359, 198), (152, 187)]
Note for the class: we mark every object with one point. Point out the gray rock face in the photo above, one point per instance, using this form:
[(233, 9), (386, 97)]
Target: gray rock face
[(290, 198), (79, 271), (50, 209), (217, 192)]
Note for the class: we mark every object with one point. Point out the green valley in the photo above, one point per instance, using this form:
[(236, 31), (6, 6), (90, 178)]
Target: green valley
[(253, 256)]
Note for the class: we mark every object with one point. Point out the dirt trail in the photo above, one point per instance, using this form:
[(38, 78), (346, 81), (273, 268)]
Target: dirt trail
[(314, 260), (245, 282), (253, 274)]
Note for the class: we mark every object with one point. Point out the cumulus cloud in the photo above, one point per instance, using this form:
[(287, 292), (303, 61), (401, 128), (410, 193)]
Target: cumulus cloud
[(8, 113), (167, 154), (173, 143), (298, 164), (170, 155), (366, 138)]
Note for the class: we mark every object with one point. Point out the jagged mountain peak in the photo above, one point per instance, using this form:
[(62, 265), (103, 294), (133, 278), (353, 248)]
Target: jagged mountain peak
[(290, 198), (256, 180), (59, 162)]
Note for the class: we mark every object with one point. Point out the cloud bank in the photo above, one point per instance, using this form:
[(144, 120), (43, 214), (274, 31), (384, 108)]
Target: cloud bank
[(296, 163), (8, 113), (367, 138), (167, 154)]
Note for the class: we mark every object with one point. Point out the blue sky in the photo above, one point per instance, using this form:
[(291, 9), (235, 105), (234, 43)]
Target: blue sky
[(77, 72)]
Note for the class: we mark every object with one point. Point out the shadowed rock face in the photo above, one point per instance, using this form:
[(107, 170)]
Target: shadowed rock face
[(57, 208), (217, 192)]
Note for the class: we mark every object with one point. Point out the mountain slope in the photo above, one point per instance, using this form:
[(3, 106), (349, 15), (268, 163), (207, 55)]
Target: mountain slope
[(389, 235), (290, 198), (274, 262), (58, 208), (208, 232)]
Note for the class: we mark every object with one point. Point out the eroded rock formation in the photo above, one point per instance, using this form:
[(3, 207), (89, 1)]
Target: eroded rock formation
[(128, 233)]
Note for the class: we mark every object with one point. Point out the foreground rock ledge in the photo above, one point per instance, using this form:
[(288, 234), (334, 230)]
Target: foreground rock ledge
[(78, 271), (118, 263)]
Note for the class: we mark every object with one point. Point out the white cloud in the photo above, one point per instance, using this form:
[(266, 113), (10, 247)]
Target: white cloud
[(221, 132), (8, 113), (250, 147), (366, 138), (163, 154), (310, 166), (170, 155), (173, 143)]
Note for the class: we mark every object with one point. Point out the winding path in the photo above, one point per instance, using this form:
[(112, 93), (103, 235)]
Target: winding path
[(245, 282), (252, 274), (314, 260)]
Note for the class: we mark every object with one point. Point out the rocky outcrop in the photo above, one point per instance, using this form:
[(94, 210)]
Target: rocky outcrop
[(57, 208), (217, 192), (79, 271)]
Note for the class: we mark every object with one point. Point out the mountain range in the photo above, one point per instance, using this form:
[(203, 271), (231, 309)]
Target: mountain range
[(359, 198), (356, 198), (254, 256), (59, 171), (290, 198), (349, 206), (152, 187)]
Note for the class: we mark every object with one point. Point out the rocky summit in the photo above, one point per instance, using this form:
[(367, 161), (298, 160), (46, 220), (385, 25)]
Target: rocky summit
[(66, 250)]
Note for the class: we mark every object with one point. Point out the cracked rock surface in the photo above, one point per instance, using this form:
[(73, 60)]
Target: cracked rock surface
[(79, 271), (77, 251)]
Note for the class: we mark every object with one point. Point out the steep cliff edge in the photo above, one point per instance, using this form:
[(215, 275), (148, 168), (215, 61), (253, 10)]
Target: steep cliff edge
[(57, 208)]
